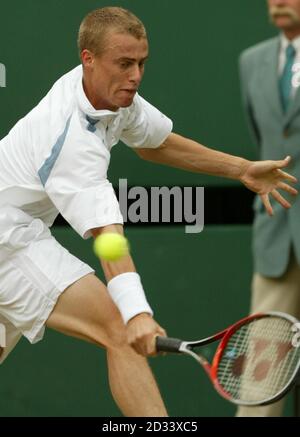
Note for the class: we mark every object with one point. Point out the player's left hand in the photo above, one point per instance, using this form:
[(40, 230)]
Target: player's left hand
[(265, 178)]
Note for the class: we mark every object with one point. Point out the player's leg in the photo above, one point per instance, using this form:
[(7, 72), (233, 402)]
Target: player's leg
[(36, 277), (85, 310), (274, 294)]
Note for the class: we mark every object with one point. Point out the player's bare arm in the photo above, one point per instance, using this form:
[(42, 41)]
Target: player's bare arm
[(262, 177), (142, 328)]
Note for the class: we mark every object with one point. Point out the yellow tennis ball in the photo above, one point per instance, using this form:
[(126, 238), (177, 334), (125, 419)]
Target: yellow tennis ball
[(111, 246)]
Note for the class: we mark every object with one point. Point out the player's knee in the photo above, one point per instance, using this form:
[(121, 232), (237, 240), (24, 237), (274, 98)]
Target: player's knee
[(112, 335), (116, 333)]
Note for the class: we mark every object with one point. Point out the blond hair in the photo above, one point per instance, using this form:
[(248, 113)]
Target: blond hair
[(95, 26)]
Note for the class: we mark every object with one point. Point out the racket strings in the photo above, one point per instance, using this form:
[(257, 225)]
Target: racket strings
[(259, 360)]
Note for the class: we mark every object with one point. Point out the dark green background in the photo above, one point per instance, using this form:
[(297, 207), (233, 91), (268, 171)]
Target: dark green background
[(191, 75), (197, 284)]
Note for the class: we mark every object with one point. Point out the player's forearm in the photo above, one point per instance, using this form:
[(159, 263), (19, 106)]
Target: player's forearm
[(187, 154), (114, 268), (123, 283)]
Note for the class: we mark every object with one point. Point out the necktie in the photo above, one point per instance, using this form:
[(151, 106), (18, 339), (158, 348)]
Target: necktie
[(285, 81)]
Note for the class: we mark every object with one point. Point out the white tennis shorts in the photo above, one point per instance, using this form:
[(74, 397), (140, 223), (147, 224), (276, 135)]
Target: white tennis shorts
[(34, 270)]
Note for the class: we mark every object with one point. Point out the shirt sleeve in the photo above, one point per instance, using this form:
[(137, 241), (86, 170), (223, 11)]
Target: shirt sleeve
[(74, 176), (147, 127)]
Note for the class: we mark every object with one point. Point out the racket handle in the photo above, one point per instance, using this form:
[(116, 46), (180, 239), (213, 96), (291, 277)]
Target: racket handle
[(167, 344)]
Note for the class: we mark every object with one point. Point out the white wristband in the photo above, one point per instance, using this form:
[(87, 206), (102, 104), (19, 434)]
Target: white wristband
[(127, 292)]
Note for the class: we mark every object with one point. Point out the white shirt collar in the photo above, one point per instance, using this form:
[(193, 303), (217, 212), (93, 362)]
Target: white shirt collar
[(86, 106), (284, 42)]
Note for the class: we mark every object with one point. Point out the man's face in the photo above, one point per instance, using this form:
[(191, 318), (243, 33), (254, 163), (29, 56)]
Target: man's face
[(115, 75), (285, 14)]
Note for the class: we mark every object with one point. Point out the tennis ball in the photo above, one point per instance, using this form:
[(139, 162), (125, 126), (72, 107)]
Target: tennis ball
[(111, 246)]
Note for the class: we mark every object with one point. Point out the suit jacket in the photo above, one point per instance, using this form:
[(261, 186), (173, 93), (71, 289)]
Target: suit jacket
[(277, 135)]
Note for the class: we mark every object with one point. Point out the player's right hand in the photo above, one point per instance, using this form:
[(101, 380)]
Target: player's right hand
[(141, 333)]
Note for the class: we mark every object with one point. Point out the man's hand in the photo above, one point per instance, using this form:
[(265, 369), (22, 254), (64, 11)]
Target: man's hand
[(265, 178), (141, 332)]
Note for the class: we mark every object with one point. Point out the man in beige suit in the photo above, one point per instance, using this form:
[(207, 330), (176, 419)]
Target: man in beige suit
[(272, 102)]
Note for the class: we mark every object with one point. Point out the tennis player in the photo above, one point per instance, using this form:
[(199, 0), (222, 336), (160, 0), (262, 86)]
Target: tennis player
[(55, 160)]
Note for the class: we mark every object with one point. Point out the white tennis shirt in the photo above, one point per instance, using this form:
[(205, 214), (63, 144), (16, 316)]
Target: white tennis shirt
[(55, 159)]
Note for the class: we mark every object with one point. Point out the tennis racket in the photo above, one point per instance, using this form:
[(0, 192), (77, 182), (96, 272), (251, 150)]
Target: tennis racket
[(256, 361)]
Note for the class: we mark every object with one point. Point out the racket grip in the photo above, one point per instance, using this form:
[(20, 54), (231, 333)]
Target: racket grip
[(167, 344)]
